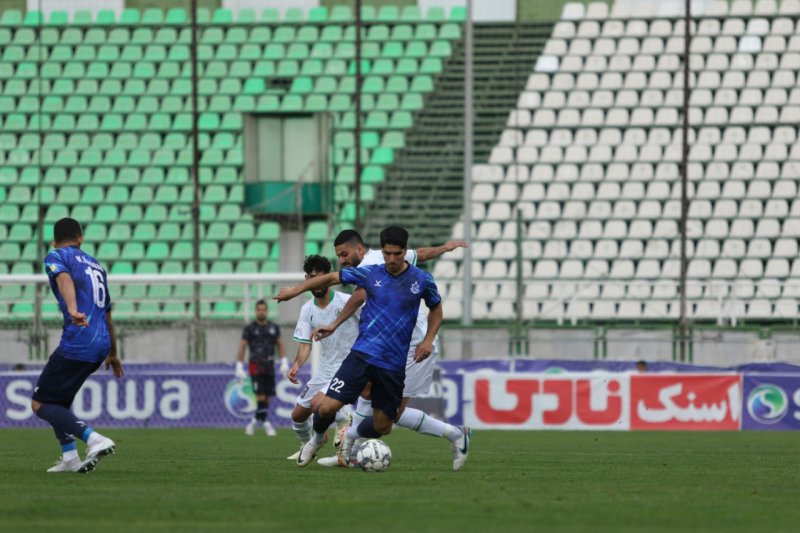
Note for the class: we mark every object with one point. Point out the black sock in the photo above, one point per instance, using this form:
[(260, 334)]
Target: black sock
[(64, 422), (321, 424), (367, 430), (261, 411)]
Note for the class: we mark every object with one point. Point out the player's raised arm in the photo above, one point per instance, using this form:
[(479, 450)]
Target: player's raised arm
[(433, 300), (353, 304), (66, 288), (315, 283), (112, 359), (432, 252)]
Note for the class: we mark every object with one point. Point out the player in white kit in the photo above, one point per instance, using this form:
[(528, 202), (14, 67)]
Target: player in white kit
[(323, 309), (352, 252)]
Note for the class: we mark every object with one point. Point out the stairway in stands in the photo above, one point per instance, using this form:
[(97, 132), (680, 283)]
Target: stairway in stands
[(423, 189)]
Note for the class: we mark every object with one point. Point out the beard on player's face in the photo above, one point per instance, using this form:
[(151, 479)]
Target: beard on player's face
[(319, 294), (350, 255)]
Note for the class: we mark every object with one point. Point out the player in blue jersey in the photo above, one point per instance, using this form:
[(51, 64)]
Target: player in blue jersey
[(87, 340), (394, 293)]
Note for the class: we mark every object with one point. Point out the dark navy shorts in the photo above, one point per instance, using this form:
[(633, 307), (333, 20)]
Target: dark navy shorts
[(354, 374), (61, 379)]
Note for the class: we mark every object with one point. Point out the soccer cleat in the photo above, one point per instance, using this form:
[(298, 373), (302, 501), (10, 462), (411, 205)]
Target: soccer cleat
[(101, 448), (345, 449), (269, 429), (308, 452), (295, 455), (250, 428), (341, 429), (461, 448), (333, 460), (75, 465)]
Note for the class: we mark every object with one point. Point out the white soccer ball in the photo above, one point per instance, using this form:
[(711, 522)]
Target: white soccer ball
[(374, 456)]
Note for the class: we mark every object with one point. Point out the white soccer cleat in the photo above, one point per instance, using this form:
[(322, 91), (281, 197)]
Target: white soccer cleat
[(461, 448), (75, 465), (333, 460), (250, 428), (345, 449), (269, 429), (101, 447), (294, 456), (308, 452), (341, 429)]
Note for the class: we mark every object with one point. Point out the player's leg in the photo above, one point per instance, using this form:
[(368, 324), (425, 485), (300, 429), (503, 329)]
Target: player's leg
[(59, 382), (387, 396), (263, 387), (344, 388), (419, 377), (363, 406)]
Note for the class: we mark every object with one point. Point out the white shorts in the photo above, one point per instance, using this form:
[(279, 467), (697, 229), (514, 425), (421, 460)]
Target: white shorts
[(314, 385), (419, 376)]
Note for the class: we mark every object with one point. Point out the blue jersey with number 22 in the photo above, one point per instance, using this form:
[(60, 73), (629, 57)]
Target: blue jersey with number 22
[(93, 342), (388, 318)]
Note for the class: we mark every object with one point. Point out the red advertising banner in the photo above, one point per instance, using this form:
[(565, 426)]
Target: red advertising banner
[(680, 402), (547, 401)]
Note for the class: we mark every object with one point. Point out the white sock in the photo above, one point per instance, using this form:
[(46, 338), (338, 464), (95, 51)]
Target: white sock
[(416, 420), (363, 410), (303, 430), (343, 415), (69, 455), (352, 432), (318, 438)]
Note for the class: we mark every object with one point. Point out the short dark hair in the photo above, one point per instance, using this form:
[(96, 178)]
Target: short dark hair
[(262, 302), (316, 263), (394, 235), (348, 236), (67, 229)]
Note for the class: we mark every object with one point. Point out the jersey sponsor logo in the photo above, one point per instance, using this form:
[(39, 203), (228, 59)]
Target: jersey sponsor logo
[(415, 288), (378, 283)]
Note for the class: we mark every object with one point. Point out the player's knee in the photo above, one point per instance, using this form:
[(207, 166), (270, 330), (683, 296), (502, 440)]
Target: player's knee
[(35, 406), (384, 427), (300, 414)]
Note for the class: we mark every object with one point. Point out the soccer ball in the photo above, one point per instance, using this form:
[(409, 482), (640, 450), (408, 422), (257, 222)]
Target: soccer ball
[(374, 456)]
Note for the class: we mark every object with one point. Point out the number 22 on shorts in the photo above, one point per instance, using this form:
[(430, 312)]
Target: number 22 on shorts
[(336, 385)]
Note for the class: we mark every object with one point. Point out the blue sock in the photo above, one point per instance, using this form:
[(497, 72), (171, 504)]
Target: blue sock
[(69, 447), (366, 429), (64, 422)]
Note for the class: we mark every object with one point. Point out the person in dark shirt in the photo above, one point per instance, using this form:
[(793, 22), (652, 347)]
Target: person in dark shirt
[(260, 338)]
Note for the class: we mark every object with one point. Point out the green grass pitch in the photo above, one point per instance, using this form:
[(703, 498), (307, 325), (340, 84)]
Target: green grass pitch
[(205, 480)]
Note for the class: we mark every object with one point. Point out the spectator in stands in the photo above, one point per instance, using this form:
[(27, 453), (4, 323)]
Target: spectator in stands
[(641, 367)]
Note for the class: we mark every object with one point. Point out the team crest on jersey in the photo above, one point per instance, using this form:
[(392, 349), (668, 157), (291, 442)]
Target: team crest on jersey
[(53, 268), (378, 283), (415, 288)]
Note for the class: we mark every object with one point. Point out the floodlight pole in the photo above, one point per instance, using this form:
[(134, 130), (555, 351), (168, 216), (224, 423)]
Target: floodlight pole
[(195, 329), (357, 126), (684, 324), (468, 141)]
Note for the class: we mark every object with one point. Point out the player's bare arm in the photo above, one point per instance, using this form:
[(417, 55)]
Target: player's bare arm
[(425, 348), (353, 304), (67, 290), (315, 283), (112, 359), (303, 353), (432, 252)]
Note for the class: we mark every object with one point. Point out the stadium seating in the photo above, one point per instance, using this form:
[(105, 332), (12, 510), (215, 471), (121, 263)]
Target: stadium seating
[(115, 119), (591, 159)]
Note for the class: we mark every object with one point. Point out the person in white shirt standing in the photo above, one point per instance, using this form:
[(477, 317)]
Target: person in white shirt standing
[(324, 308)]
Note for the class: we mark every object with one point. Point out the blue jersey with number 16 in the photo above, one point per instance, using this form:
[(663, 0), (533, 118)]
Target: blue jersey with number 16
[(93, 342)]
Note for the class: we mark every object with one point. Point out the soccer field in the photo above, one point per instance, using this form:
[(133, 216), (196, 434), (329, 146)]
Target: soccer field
[(522, 481)]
